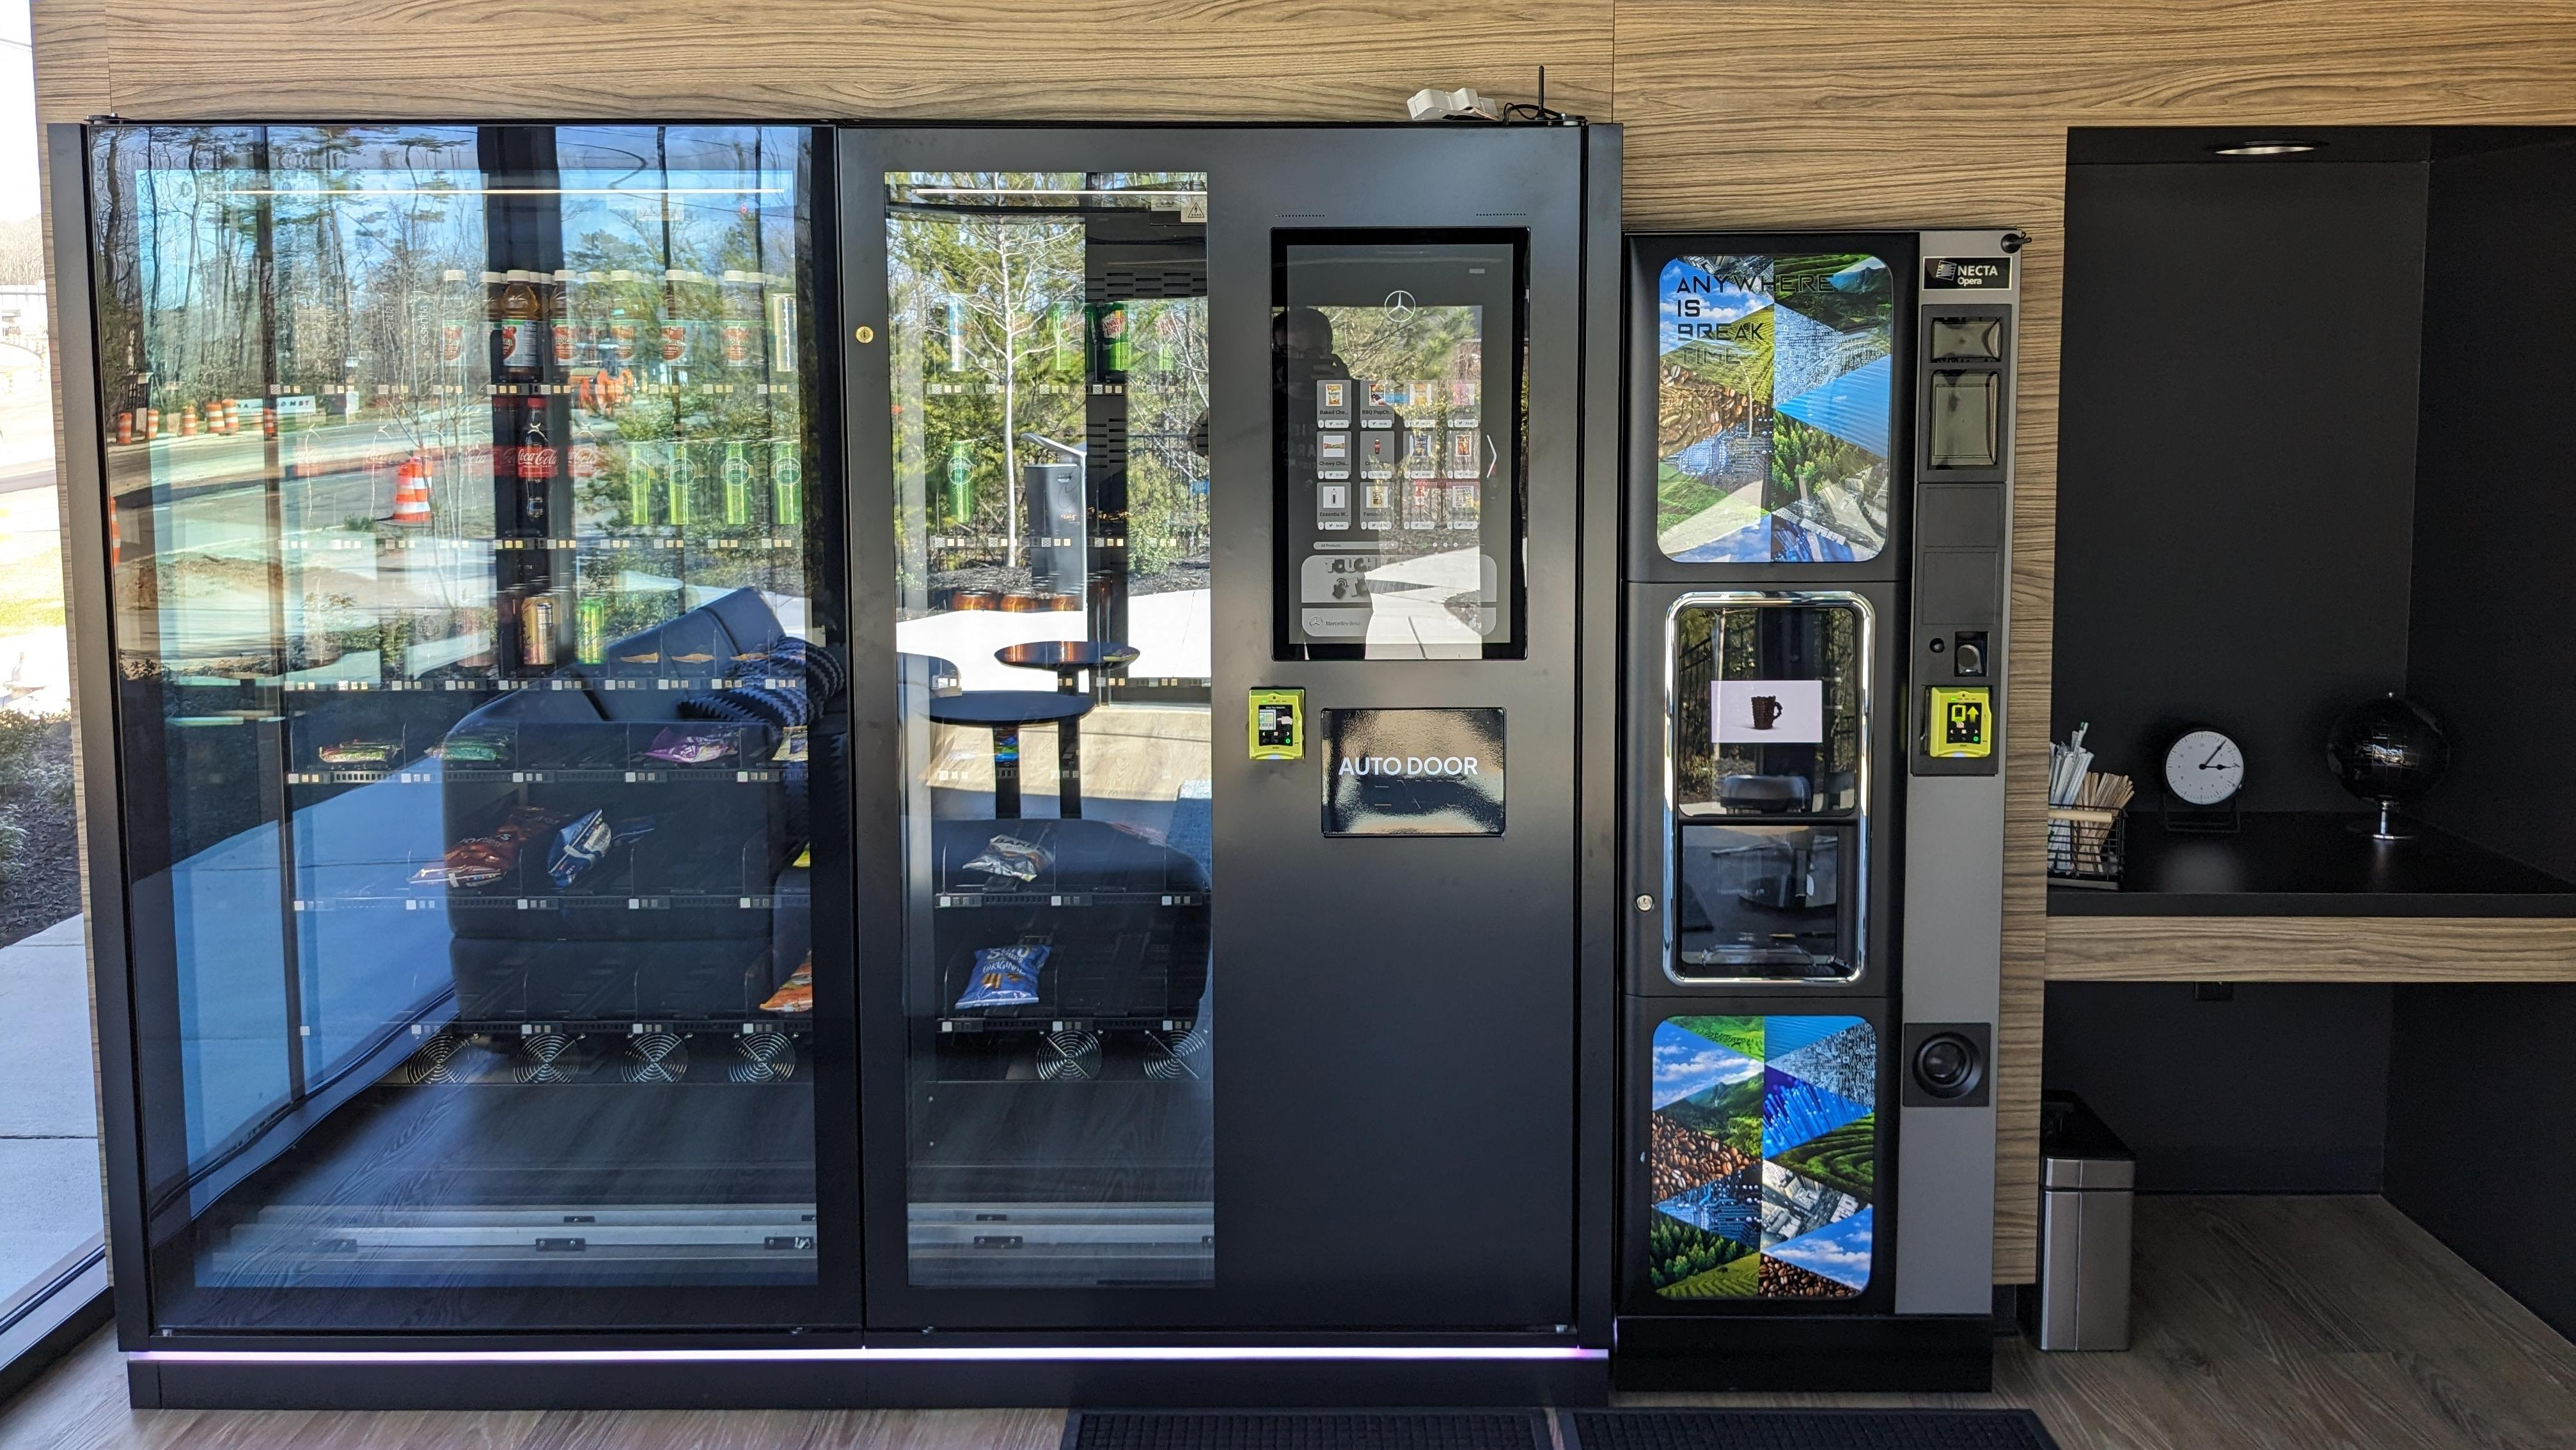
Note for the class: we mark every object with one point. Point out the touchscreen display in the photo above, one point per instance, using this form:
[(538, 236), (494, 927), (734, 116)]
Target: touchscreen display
[(1773, 387)]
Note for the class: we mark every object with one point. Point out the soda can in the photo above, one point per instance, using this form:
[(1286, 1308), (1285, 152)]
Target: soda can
[(537, 630), (591, 631), (787, 486)]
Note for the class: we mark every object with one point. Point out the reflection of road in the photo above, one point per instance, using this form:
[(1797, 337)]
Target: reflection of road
[(213, 534)]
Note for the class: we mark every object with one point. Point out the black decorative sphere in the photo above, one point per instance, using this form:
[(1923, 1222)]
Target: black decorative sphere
[(2388, 750)]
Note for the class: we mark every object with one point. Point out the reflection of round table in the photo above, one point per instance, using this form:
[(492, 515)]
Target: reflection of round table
[(1003, 712), (1068, 657)]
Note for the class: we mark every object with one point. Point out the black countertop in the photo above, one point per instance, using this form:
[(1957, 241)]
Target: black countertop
[(2309, 864)]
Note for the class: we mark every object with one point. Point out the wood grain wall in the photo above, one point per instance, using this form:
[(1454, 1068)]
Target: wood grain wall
[(1740, 113)]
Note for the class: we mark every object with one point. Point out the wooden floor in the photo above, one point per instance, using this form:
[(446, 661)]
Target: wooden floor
[(2261, 1322)]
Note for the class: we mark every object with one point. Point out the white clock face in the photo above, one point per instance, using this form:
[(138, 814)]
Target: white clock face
[(2204, 768)]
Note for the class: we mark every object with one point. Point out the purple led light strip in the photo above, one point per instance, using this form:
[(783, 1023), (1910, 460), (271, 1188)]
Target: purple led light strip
[(959, 1354)]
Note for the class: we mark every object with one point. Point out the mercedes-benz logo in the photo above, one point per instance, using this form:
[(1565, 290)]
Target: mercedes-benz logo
[(1400, 302)]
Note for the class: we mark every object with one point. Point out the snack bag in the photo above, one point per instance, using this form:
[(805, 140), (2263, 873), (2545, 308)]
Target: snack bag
[(791, 746), (1009, 856), (796, 994), (689, 747), (475, 749), (1004, 977), (581, 845), (482, 860), (358, 752)]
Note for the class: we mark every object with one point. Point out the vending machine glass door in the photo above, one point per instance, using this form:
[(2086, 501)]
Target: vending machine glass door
[(1047, 352), (476, 689)]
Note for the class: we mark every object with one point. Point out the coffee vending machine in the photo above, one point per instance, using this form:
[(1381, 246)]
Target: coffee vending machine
[(1815, 595)]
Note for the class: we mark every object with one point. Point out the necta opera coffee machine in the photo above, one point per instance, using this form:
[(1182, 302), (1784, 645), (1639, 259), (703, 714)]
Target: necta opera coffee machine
[(1819, 479)]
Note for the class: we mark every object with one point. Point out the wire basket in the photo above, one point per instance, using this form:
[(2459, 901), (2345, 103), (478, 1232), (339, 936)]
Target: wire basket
[(2087, 847)]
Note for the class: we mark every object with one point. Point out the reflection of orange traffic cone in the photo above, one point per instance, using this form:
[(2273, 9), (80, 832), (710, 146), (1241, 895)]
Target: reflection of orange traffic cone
[(115, 539), (411, 492)]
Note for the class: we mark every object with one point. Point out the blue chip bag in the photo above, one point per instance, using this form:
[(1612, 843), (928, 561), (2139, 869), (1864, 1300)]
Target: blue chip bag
[(1004, 977), (581, 845)]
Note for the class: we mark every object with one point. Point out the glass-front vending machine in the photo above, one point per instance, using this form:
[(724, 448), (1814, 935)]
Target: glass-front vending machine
[(1816, 550), (789, 764)]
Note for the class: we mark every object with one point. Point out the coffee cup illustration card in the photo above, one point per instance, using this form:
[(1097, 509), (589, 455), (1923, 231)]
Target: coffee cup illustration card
[(1767, 712)]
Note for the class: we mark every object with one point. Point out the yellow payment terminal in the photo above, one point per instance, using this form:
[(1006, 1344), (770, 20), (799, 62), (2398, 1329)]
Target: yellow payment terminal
[(1962, 724), (1278, 719)]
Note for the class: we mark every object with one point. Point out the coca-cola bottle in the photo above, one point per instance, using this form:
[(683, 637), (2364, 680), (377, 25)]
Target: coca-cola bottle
[(536, 466)]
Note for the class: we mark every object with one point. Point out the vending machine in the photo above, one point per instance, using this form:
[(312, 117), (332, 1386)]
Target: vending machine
[(1816, 555), (763, 764)]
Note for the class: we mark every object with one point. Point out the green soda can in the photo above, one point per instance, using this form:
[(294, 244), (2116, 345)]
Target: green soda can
[(592, 637), (737, 487), (787, 486), (639, 486), (683, 488), (961, 483)]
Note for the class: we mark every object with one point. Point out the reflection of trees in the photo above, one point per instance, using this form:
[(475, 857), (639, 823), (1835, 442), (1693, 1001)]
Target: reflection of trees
[(1167, 403), (1016, 282), (1383, 345)]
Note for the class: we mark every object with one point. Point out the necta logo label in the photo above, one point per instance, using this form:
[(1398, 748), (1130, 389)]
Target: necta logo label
[(1410, 767), (1968, 273)]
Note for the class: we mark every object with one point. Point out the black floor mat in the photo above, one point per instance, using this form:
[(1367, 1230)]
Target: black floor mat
[(1306, 1430), (1803, 1430)]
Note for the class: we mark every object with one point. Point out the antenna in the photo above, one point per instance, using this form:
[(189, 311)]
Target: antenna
[(1542, 93)]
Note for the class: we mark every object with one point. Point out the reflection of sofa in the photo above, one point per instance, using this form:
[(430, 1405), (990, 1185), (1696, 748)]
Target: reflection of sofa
[(699, 916), (1128, 946)]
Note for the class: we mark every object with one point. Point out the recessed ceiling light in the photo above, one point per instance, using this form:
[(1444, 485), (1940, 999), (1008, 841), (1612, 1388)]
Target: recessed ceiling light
[(2267, 148)]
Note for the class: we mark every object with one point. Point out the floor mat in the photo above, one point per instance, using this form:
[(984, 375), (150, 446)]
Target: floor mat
[(1306, 1430), (1803, 1430)]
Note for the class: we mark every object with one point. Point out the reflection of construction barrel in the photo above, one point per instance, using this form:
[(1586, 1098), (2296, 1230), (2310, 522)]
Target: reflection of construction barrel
[(411, 492)]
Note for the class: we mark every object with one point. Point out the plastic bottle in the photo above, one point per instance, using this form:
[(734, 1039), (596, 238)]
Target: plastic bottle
[(559, 325), (624, 332), (536, 466), (518, 327), (738, 321)]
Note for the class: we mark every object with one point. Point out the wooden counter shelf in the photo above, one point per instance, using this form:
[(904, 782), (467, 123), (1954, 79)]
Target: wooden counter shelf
[(2298, 898)]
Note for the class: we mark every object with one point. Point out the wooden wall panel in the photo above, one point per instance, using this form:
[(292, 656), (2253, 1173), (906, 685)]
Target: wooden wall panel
[(1741, 113), (71, 59), (982, 59)]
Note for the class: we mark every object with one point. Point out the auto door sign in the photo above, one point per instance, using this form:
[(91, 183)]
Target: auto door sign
[(1427, 772)]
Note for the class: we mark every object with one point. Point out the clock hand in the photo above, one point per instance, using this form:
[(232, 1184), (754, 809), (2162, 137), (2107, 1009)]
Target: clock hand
[(2213, 754)]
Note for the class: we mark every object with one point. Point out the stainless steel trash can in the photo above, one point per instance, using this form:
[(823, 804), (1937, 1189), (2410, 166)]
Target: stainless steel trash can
[(2088, 1179)]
